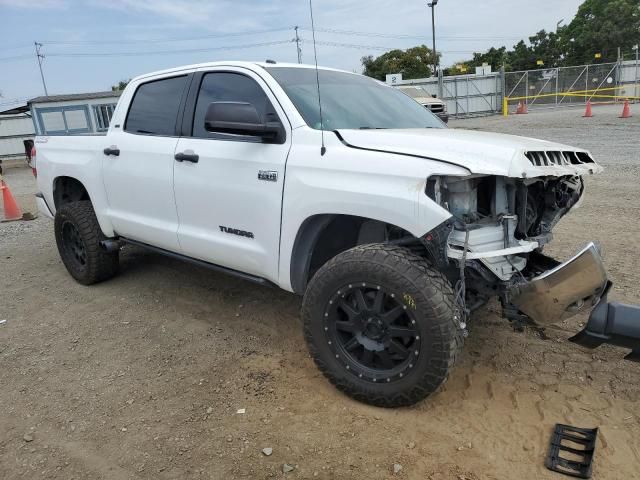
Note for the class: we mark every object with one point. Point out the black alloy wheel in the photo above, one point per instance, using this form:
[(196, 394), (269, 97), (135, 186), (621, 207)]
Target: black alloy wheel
[(73, 245), (373, 333)]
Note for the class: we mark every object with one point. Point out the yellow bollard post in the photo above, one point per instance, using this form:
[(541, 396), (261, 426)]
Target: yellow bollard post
[(505, 106)]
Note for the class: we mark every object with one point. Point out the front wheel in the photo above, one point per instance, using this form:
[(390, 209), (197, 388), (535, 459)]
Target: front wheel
[(379, 323)]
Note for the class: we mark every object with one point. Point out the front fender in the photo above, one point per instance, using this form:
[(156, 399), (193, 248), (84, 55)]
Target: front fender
[(374, 185)]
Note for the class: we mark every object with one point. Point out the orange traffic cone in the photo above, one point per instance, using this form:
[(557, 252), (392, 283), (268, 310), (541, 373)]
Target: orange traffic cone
[(588, 113), (626, 113), (11, 209)]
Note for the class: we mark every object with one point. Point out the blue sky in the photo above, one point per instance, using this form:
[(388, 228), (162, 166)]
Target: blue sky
[(141, 27)]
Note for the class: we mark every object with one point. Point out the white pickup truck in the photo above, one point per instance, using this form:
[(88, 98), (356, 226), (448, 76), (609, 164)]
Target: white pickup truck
[(393, 227)]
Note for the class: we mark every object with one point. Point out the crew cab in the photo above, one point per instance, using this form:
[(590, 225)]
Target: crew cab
[(332, 186)]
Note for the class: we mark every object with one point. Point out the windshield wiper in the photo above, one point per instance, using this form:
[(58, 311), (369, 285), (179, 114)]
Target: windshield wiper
[(373, 128)]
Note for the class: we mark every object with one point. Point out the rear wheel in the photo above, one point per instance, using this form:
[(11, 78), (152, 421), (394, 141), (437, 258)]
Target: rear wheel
[(379, 322), (78, 238)]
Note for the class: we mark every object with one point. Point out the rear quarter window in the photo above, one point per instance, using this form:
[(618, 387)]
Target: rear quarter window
[(155, 105)]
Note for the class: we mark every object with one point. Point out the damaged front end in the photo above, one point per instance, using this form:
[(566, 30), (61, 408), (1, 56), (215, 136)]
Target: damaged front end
[(499, 219), (493, 247)]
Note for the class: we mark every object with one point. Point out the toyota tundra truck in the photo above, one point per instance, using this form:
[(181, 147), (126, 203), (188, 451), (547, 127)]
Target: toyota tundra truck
[(340, 189)]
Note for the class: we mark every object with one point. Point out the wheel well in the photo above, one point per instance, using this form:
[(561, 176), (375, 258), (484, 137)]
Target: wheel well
[(68, 189), (322, 237)]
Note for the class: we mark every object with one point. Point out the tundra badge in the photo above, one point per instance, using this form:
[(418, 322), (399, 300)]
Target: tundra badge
[(235, 231), (268, 175)]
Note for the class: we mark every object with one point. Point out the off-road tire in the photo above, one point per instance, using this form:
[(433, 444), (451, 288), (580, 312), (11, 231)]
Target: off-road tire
[(94, 264), (422, 289)]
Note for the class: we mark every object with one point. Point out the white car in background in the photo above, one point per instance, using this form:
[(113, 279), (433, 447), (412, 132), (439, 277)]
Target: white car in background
[(431, 102)]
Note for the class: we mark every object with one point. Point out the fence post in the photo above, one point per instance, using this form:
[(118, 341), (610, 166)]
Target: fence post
[(635, 87), (440, 84), (586, 84), (455, 83), (505, 100), (557, 82), (468, 93)]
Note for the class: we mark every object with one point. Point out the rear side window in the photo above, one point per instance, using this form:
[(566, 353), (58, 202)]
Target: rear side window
[(230, 87), (154, 108)]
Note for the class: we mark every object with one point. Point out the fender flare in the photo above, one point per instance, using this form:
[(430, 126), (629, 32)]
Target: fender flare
[(305, 243)]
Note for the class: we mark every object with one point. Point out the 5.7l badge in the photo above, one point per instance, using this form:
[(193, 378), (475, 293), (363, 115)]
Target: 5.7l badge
[(268, 175)]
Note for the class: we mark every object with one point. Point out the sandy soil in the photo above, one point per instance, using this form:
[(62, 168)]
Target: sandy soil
[(142, 377)]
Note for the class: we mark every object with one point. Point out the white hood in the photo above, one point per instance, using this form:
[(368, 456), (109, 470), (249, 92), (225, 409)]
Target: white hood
[(479, 152)]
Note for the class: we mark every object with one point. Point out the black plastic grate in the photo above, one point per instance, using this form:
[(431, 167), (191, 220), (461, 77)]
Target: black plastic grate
[(578, 444)]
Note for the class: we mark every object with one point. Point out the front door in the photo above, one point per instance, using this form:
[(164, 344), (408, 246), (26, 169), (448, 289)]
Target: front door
[(138, 168), (229, 202)]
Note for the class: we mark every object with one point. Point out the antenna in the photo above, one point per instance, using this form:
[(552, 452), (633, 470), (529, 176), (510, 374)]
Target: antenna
[(323, 149)]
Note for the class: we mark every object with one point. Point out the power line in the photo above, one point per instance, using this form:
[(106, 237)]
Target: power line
[(262, 32), (16, 57), (380, 47), (20, 46), (167, 52), (407, 36), (161, 40), (15, 101)]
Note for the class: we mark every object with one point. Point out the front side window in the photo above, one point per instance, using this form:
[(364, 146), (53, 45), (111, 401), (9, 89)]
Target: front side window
[(350, 101), (154, 108), (230, 87)]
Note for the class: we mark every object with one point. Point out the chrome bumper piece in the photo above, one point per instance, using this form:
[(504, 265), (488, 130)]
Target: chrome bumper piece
[(562, 292)]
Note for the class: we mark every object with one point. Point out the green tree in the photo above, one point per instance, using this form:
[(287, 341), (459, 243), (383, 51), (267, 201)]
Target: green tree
[(601, 26), (416, 62), (547, 47), (495, 57), (120, 85)]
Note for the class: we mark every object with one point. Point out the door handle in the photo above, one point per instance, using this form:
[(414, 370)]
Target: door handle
[(112, 150), (187, 156)]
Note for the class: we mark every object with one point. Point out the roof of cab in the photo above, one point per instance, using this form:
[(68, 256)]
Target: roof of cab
[(249, 65)]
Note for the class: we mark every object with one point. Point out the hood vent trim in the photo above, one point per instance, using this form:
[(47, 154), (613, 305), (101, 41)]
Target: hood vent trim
[(557, 158)]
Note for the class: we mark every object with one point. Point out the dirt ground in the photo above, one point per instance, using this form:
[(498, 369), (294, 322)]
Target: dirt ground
[(142, 377)]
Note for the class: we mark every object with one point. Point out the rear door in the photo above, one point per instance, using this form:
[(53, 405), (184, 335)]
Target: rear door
[(138, 167), (229, 202)]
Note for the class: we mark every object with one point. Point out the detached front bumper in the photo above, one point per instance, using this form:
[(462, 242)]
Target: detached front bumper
[(576, 285), (564, 290)]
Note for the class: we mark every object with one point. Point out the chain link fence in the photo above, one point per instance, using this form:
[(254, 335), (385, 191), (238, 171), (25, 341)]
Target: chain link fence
[(556, 87), (471, 95)]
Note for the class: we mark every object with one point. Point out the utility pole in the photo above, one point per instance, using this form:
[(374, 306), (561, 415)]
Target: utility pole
[(40, 57), (432, 5), (298, 48)]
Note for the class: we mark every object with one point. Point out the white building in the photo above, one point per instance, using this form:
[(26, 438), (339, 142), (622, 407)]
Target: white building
[(78, 113), (16, 127)]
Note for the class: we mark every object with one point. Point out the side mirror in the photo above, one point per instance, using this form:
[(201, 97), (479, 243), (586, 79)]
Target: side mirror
[(239, 118)]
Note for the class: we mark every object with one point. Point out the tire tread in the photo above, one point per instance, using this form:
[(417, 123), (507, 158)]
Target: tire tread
[(101, 265), (423, 277)]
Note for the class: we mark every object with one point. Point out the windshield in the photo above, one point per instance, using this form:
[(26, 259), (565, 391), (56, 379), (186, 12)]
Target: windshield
[(351, 101)]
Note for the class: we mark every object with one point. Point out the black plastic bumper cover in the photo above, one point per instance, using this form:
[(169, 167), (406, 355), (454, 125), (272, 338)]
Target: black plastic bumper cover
[(615, 324)]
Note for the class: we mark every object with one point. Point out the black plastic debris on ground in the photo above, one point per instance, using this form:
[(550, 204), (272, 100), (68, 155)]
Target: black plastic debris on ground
[(571, 450)]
